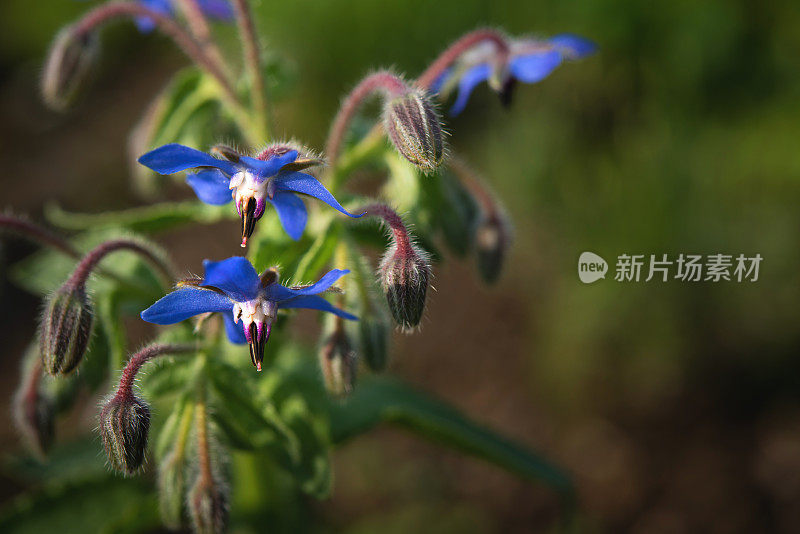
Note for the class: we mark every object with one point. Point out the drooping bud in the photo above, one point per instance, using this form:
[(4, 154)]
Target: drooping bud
[(66, 328), (491, 243), (405, 273), (125, 418), (208, 506), (124, 428), (404, 270), (338, 362), (208, 498), (415, 129), (34, 410), (68, 66), (171, 489), (373, 334)]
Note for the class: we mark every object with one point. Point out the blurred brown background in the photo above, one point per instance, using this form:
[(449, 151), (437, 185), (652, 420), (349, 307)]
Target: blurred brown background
[(674, 405)]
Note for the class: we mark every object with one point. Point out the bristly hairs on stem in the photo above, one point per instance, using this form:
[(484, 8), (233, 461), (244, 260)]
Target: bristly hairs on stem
[(381, 81), (105, 12), (252, 59), (454, 51)]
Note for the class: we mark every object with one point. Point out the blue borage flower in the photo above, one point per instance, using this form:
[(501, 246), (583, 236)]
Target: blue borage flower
[(216, 9), (273, 176), (528, 61), (234, 288)]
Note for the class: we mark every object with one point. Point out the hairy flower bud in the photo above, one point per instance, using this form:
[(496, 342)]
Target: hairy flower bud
[(34, 410), (404, 278), (373, 333), (208, 507), (171, 490), (415, 129), (66, 329), (338, 362), (491, 243), (124, 427), (68, 65)]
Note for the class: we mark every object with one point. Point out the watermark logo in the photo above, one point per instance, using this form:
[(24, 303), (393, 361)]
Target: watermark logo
[(680, 267), (591, 267)]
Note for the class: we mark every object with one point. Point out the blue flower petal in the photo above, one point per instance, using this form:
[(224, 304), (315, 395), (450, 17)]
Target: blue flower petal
[(300, 182), (265, 169), (184, 303), (235, 276), (440, 80), (146, 24), (210, 186), (469, 80), (314, 302), (573, 46), (531, 68), (292, 213), (234, 331), (218, 9), (173, 157), (278, 293)]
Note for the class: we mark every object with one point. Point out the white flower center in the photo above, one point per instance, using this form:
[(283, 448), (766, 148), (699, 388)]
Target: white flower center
[(245, 185), (257, 310)]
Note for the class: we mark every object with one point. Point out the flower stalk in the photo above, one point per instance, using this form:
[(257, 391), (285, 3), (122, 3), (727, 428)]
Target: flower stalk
[(454, 51), (194, 50), (252, 60), (382, 81)]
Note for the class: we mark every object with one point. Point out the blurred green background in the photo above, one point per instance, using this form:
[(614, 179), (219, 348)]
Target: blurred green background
[(674, 405)]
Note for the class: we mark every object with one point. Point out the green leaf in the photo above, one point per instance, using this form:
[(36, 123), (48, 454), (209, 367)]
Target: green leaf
[(380, 399), (103, 504), (246, 413), (147, 219), (318, 255)]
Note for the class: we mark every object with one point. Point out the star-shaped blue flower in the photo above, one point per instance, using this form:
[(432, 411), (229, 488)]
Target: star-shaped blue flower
[(272, 177), (528, 61), (233, 288), (216, 9)]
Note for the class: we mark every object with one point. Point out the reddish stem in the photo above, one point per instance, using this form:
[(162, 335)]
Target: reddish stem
[(394, 222), (252, 56), (140, 358), (475, 185), (382, 81), (37, 233), (454, 51), (169, 27), (90, 261)]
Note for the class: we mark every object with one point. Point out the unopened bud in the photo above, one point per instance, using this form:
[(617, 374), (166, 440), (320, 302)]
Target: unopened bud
[(66, 329), (68, 65), (404, 278), (373, 333), (33, 410), (415, 129), (491, 243), (338, 362), (171, 490), (124, 427), (208, 506)]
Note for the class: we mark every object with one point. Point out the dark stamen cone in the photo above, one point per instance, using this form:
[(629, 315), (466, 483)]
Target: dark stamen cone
[(68, 66), (124, 428), (415, 129), (66, 329), (248, 220)]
